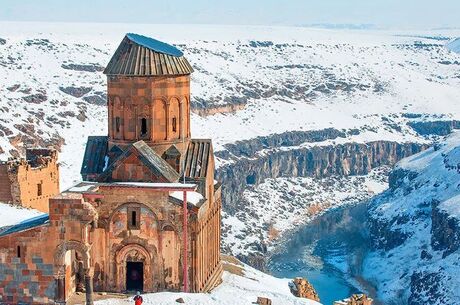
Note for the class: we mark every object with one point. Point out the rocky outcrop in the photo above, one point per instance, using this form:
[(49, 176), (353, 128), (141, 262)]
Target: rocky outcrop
[(215, 109), (302, 288), (386, 233), (426, 288), (84, 68), (250, 148), (75, 91), (384, 236), (263, 301), (440, 128), (445, 231), (270, 157), (355, 299), (37, 98), (98, 99), (398, 176)]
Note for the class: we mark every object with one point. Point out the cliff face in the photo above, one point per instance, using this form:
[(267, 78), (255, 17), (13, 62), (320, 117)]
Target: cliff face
[(445, 231), (251, 162), (416, 223)]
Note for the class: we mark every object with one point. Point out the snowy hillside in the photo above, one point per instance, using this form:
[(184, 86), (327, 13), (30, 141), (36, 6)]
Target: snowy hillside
[(275, 79), (454, 45), (415, 229), (241, 286)]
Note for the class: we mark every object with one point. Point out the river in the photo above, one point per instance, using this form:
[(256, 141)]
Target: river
[(328, 251)]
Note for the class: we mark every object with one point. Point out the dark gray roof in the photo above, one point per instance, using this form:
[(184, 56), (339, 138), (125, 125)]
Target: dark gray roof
[(172, 151), (155, 162), (154, 45), (149, 158), (197, 158), (27, 224), (95, 153), (142, 56)]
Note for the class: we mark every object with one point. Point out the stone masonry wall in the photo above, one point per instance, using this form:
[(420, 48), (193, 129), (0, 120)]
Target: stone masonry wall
[(164, 102), (30, 183), (26, 277), (30, 260)]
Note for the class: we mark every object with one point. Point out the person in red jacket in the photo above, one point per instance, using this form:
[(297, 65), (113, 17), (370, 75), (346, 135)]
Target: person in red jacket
[(138, 299)]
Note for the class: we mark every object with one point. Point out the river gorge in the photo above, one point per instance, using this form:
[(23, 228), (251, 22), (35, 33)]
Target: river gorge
[(328, 251)]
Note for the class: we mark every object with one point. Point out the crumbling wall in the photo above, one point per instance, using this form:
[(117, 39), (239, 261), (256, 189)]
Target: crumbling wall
[(30, 182), (5, 184)]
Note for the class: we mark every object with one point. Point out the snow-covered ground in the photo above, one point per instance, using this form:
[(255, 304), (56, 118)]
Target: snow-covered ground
[(283, 204), (454, 45), (52, 88), (242, 285), (415, 226)]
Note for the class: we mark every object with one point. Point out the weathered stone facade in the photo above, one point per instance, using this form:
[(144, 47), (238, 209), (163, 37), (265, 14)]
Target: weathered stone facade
[(32, 181), (148, 215)]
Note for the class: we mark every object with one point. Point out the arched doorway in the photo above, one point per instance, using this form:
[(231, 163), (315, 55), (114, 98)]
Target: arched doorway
[(71, 259), (134, 268)]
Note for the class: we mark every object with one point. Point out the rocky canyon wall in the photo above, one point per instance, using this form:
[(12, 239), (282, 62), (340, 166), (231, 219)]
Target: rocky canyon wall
[(253, 161)]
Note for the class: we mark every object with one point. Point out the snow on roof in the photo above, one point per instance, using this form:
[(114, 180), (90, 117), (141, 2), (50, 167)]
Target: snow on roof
[(192, 197), (89, 187), (11, 215), (81, 188), (154, 45), (27, 224), (155, 185)]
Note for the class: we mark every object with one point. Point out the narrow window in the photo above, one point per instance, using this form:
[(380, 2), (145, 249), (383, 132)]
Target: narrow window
[(39, 189), (117, 124), (19, 251), (133, 219), (143, 126), (174, 124)]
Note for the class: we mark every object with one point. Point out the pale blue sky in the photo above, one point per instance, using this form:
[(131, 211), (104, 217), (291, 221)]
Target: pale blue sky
[(383, 13)]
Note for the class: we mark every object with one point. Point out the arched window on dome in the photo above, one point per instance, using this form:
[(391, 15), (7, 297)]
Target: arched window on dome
[(117, 124), (143, 126), (144, 131), (174, 124)]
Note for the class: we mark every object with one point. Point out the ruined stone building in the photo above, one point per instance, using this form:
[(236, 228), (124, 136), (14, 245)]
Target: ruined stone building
[(32, 181), (147, 214)]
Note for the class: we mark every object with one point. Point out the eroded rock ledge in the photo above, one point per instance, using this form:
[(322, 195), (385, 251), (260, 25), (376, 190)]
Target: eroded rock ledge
[(270, 157)]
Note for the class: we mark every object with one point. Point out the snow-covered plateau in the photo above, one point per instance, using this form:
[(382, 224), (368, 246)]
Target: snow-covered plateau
[(257, 81), (301, 119)]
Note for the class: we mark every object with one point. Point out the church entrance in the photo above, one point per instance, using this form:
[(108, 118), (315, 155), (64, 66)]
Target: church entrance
[(134, 276), (134, 269)]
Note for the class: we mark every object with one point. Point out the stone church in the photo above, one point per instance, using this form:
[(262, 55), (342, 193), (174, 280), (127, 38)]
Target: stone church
[(147, 214)]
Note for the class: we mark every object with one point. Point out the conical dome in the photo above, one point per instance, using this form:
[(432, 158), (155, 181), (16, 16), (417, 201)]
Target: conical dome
[(138, 55)]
